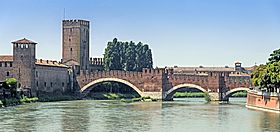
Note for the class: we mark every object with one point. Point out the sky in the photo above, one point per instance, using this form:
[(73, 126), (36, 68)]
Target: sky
[(179, 32)]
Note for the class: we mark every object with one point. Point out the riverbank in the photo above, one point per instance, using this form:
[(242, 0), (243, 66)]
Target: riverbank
[(263, 101), (17, 101), (110, 96), (127, 98), (45, 98), (201, 94), (58, 98)]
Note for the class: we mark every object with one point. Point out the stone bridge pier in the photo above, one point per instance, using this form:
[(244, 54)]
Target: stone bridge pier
[(164, 83)]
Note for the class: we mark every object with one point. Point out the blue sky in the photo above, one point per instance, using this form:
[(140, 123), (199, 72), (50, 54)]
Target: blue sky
[(180, 32)]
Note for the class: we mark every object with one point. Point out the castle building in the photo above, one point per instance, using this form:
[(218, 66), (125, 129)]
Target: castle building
[(39, 76), (34, 75), (48, 76), (75, 46), (75, 42)]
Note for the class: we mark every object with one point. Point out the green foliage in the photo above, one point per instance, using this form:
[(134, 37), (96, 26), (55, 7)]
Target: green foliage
[(10, 102), (127, 56), (188, 94), (274, 56), (267, 77), (57, 98), (25, 99), (11, 81), (110, 96), (240, 94)]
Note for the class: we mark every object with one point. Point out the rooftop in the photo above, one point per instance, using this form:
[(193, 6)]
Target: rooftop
[(6, 58), (49, 63), (24, 41), (182, 69)]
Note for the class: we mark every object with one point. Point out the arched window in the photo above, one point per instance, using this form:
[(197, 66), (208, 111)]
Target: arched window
[(8, 73)]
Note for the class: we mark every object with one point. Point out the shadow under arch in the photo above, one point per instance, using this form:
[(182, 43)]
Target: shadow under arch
[(169, 94), (85, 89), (232, 91)]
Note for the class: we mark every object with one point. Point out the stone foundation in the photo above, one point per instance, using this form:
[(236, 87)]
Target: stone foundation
[(154, 95), (263, 101)]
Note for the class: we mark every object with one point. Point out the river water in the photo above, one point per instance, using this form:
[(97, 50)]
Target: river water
[(182, 115)]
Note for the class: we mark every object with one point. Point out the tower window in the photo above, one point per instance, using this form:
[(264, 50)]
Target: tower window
[(70, 49), (51, 84), (8, 73), (62, 84), (0, 64), (37, 83), (36, 73), (69, 40), (45, 84), (11, 64), (6, 64)]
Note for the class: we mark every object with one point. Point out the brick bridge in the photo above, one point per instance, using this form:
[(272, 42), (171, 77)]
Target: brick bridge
[(163, 83)]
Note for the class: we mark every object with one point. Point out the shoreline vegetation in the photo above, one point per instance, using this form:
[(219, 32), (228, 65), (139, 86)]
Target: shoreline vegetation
[(127, 98), (201, 94)]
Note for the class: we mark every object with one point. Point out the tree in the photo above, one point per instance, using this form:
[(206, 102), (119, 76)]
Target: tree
[(267, 77), (112, 56), (127, 56), (11, 81), (11, 85), (274, 56), (130, 57)]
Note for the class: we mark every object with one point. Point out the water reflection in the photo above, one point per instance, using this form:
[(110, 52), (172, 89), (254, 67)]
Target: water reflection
[(75, 116), (179, 115), (270, 121)]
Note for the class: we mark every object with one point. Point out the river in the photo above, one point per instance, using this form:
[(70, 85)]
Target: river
[(191, 114)]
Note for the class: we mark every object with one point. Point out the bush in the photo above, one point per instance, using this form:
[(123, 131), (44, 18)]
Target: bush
[(188, 94), (28, 100), (57, 98), (11, 102), (240, 94), (11, 81)]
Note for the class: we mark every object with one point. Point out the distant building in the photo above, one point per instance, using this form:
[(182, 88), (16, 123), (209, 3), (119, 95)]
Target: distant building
[(237, 74)]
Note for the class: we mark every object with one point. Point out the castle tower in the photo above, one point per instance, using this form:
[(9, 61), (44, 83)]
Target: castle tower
[(75, 42), (24, 57)]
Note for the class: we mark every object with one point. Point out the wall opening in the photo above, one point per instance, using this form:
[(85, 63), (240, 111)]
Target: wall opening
[(111, 90)]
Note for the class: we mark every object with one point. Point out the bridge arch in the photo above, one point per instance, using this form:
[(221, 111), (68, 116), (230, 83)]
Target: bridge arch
[(169, 94), (228, 93), (85, 89)]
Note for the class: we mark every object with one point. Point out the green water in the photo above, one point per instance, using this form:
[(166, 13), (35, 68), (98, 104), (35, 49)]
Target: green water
[(181, 115)]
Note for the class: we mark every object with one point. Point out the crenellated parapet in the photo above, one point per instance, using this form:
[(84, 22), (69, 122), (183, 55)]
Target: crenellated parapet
[(161, 81), (75, 22), (96, 61)]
